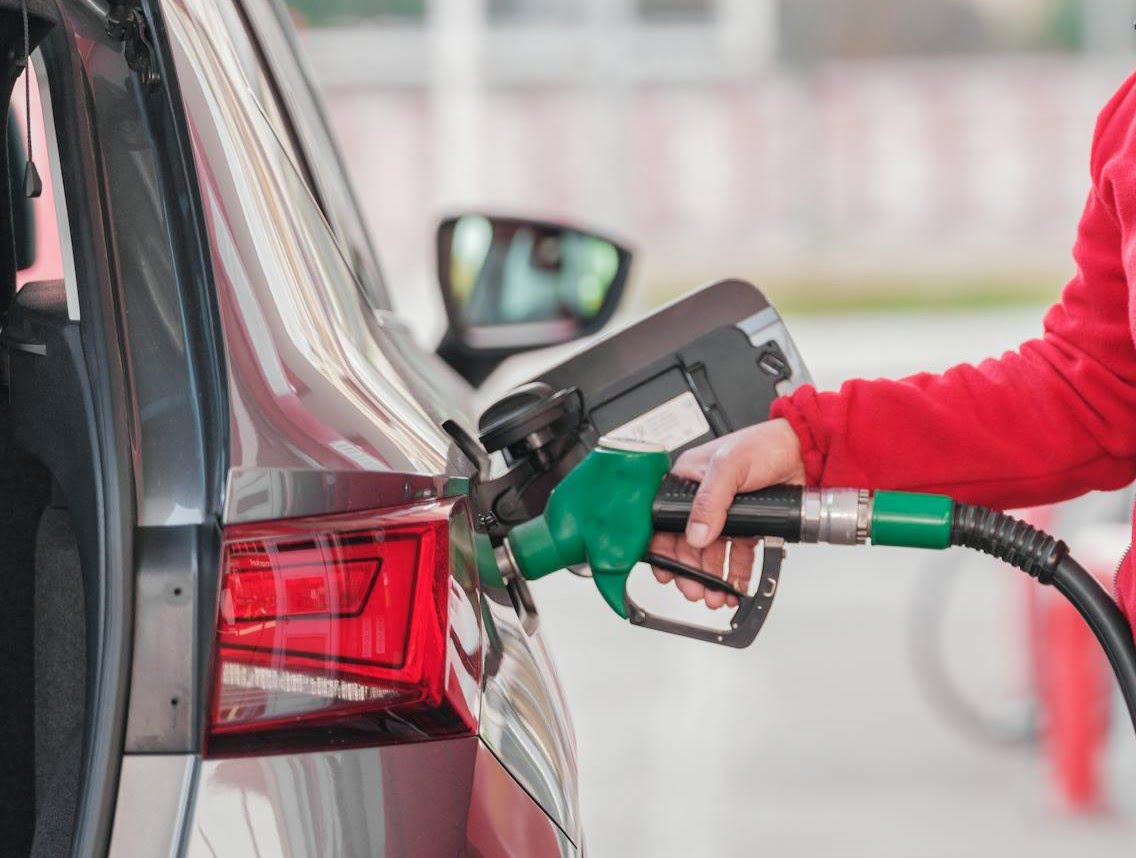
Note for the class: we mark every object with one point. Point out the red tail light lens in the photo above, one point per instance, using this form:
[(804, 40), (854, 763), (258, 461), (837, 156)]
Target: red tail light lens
[(356, 629)]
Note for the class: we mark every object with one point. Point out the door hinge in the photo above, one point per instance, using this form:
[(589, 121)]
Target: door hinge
[(125, 23)]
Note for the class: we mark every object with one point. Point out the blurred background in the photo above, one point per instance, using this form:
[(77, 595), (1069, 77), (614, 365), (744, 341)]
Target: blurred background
[(859, 152), (903, 178)]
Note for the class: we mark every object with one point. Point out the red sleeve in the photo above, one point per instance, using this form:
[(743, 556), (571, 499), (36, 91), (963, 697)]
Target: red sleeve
[(1052, 420)]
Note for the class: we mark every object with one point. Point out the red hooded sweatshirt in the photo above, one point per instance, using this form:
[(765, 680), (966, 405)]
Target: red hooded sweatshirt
[(1050, 421)]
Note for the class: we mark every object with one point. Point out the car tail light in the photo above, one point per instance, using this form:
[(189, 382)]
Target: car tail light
[(353, 629)]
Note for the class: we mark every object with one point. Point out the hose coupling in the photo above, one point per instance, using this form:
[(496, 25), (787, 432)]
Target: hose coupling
[(836, 516)]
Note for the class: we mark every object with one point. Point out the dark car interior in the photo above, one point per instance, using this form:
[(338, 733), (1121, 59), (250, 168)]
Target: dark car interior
[(46, 466), (46, 472)]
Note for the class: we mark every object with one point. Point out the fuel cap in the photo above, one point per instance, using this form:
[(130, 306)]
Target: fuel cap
[(526, 412)]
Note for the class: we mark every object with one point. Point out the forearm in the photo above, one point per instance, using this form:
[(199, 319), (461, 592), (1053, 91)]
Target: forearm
[(1002, 434)]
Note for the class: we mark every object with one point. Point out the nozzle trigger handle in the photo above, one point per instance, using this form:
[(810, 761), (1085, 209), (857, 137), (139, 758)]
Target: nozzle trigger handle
[(710, 582), (747, 619)]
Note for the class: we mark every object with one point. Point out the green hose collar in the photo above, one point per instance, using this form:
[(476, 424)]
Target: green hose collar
[(912, 520)]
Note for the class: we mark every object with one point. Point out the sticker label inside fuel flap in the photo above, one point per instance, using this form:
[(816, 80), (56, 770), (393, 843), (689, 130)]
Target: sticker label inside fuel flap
[(673, 424)]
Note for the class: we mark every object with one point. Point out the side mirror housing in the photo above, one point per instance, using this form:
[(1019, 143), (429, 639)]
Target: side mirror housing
[(511, 285)]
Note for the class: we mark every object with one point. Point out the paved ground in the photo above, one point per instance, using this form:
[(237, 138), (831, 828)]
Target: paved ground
[(817, 741)]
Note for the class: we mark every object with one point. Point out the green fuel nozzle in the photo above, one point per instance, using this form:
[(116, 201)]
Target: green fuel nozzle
[(600, 514)]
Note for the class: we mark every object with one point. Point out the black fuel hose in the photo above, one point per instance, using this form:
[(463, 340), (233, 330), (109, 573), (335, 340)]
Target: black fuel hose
[(904, 519), (1107, 622), (1047, 559)]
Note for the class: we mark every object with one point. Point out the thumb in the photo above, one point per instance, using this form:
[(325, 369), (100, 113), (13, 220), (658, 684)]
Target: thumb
[(724, 476)]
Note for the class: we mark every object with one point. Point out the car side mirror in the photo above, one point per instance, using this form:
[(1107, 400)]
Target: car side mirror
[(513, 284)]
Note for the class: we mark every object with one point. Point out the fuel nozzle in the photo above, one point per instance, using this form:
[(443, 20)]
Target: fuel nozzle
[(604, 512)]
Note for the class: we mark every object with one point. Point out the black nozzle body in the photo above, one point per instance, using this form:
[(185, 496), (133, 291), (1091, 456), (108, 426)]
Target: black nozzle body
[(775, 511)]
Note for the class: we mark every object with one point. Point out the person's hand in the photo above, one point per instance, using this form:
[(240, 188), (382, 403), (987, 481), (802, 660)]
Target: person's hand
[(763, 455)]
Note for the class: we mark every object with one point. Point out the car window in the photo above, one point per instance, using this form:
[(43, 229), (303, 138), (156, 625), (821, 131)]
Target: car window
[(286, 93), (280, 88), (300, 329)]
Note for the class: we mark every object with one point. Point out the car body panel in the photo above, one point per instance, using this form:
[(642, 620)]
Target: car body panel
[(504, 821), (333, 407), (155, 793), (441, 799), (524, 717), (407, 800)]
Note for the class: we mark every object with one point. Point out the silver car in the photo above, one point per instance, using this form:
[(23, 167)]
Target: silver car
[(243, 614)]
